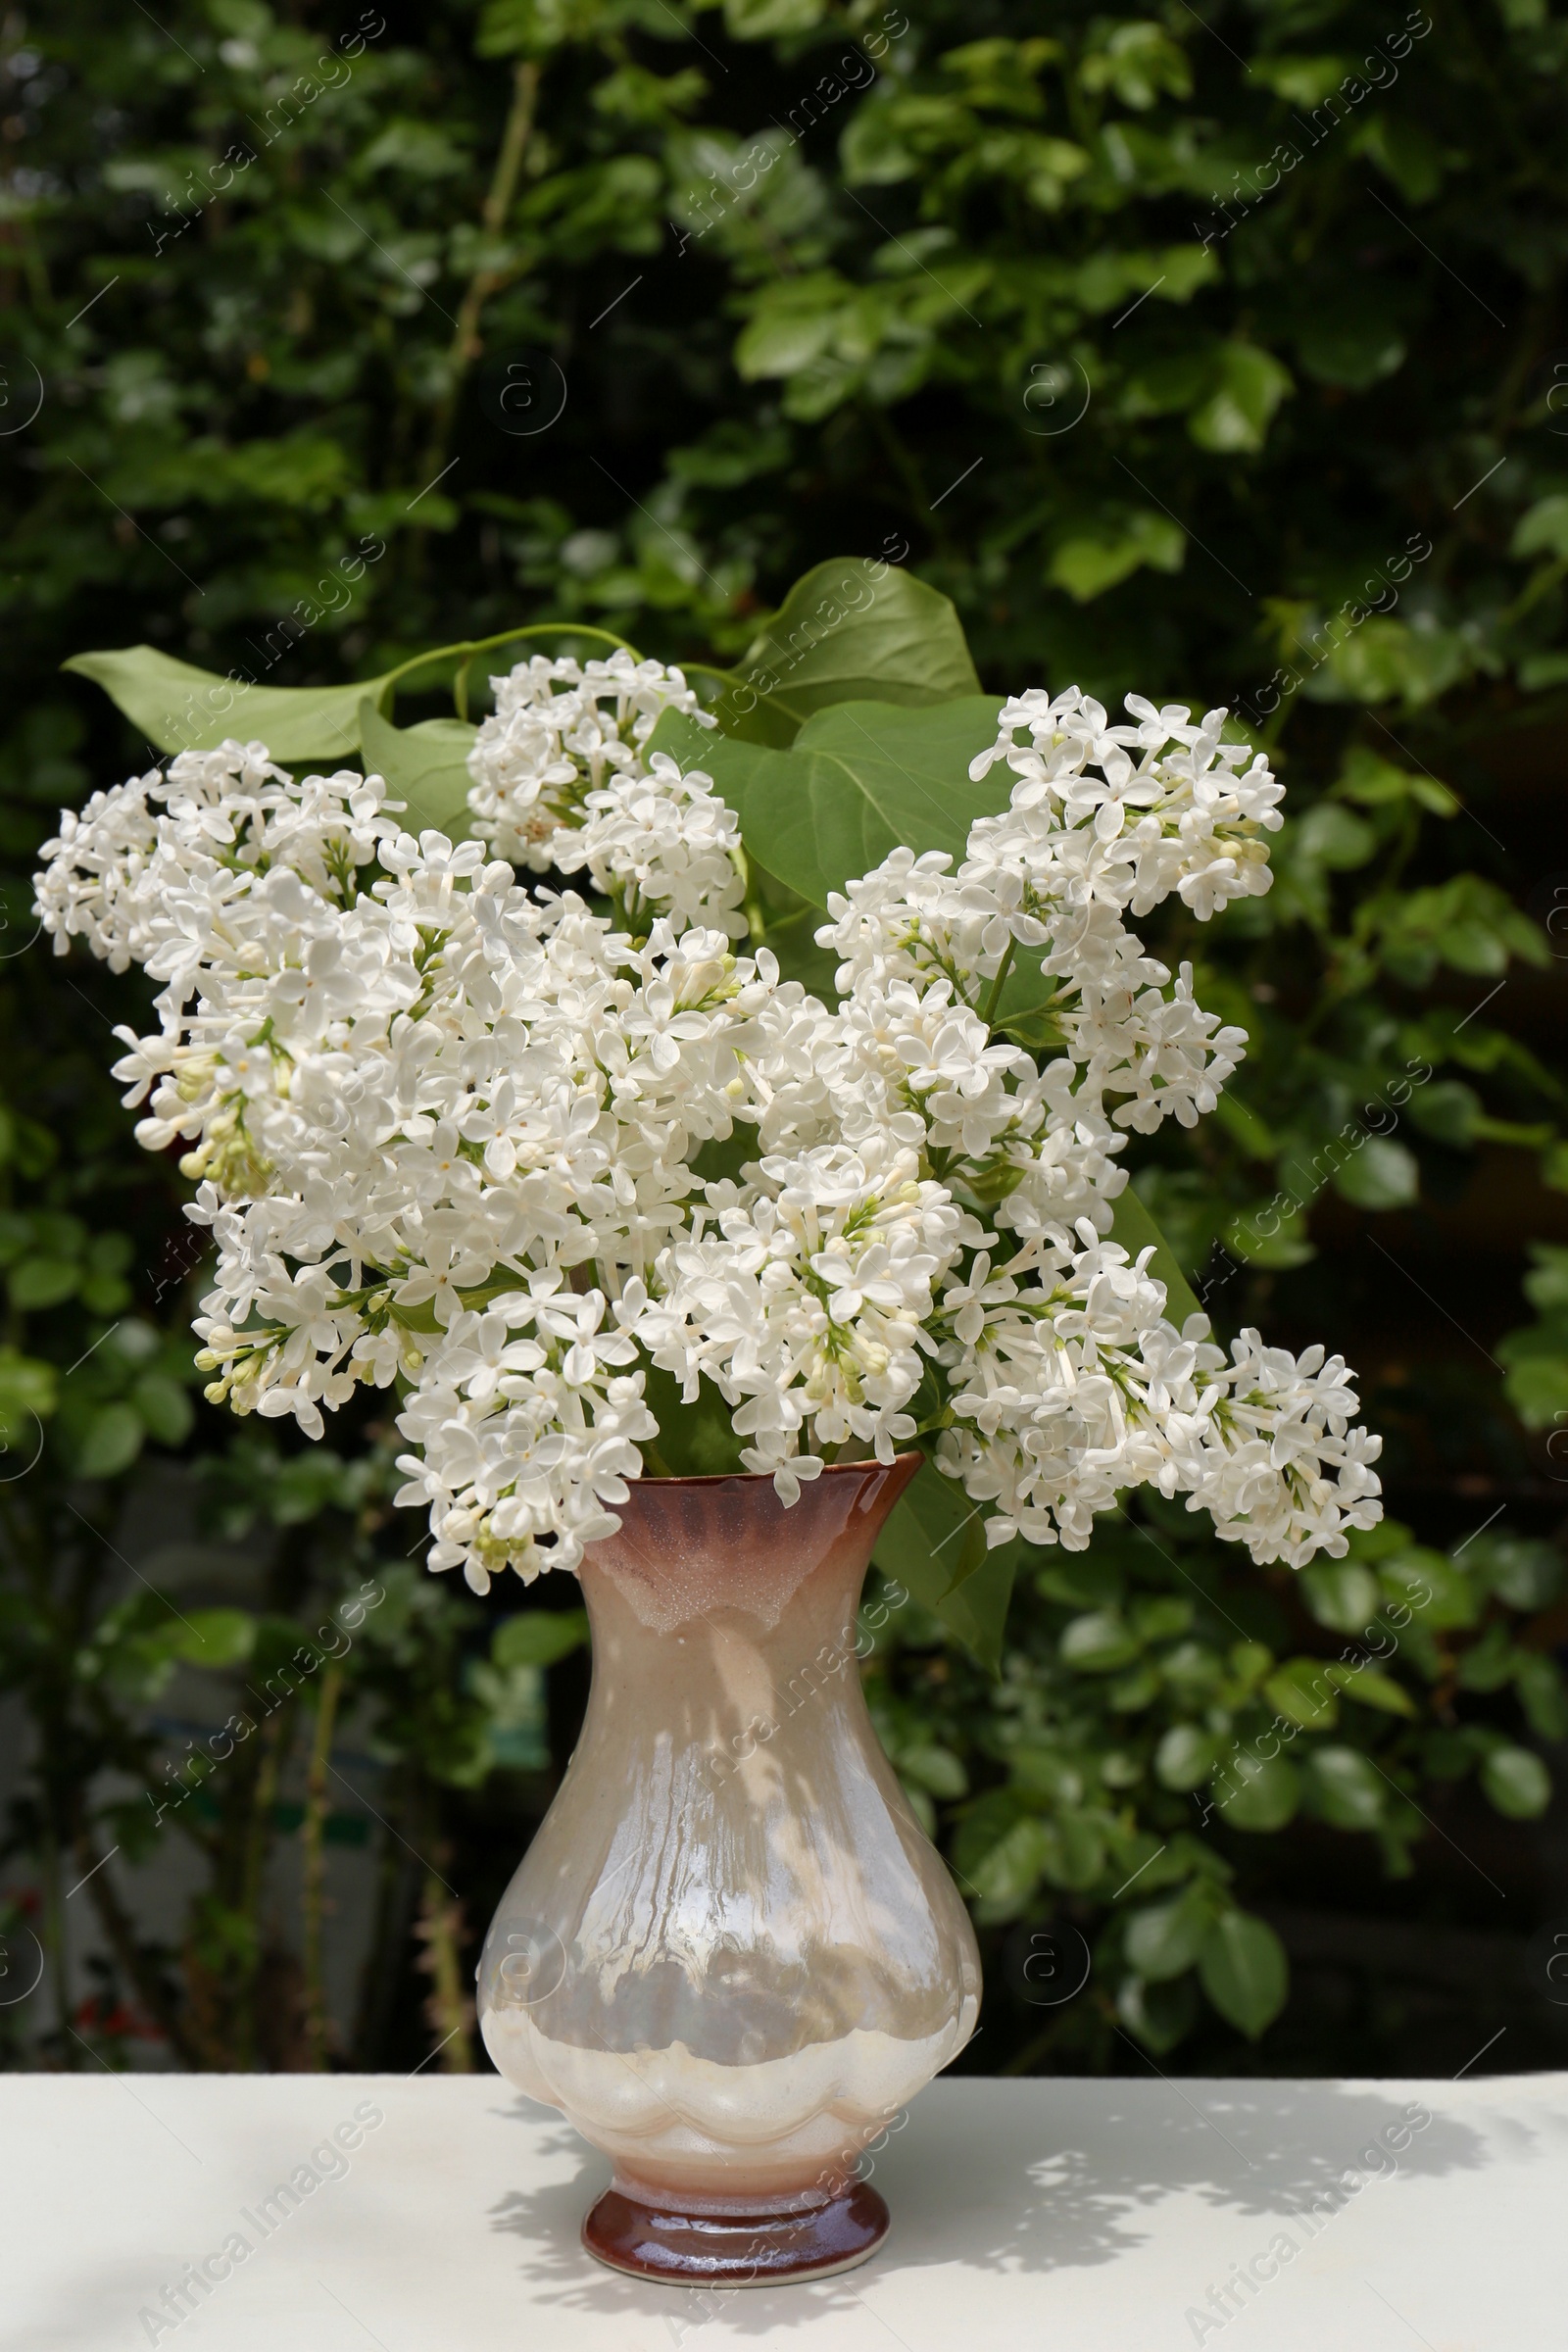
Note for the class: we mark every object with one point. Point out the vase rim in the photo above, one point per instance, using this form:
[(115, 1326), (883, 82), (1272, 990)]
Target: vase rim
[(737, 1477)]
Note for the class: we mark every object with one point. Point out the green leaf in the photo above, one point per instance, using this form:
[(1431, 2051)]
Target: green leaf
[(533, 27), (39, 1282), (1543, 529), (213, 1638), (1244, 1972), (165, 1408), (1449, 1109), (842, 635), (1303, 1691), (976, 1610), (1537, 1378), (1438, 1594), (1369, 1689), (1341, 1595), (1163, 1616), (180, 709), (1349, 345), (1011, 1870), (425, 766), (1379, 1174), (1257, 1793), (1135, 1229), (1253, 1132), (1235, 414), (862, 779), (1100, 1642), (1375, 782), (1185, 1757), (1539, 1684), (923, 1543), (1525, 1573), (1287, 1245), (922, 1547), (1160, 2015), (1489, 1662), (1074, 1852), (1088, 563), (28, 1392), (1409, 155), (1517, 1783), (111, 1443), (1333, 836), (1346, 1788), (539, 1636), (1163, 1938), (1083, 1582), (793, 326), (935, 1768), (768, 20)]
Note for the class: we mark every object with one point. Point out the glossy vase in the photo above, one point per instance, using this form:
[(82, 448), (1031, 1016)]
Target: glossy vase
[(730, 1955)]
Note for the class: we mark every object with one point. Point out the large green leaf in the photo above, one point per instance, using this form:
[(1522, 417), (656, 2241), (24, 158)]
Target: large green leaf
[(861, 780), (977, 1609), (1132, 1225), (425, 766), (180, 709), (844, 635), (927, 1545), (731, 761)]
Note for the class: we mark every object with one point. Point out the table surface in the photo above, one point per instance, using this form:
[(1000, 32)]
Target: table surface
[(1056, 2215)]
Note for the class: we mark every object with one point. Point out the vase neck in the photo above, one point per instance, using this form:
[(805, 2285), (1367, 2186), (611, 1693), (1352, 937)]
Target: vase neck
[(727, 1551)]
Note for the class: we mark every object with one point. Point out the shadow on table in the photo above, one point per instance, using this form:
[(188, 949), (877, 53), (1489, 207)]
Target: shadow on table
[(1042, 2176)]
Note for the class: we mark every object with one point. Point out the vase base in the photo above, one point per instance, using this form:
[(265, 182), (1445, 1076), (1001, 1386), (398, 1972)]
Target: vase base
[(735, 2249)]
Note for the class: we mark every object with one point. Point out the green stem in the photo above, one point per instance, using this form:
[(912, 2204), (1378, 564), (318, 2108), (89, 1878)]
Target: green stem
[(141, 1969), (998, 984), (449, 2010), (468, 646), (313, 1866), (712, 669), (55, 1930), (465, 344), (259, 1837)]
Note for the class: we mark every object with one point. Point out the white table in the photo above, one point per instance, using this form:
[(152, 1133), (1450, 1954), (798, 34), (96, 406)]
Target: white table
[(1055, 2215)]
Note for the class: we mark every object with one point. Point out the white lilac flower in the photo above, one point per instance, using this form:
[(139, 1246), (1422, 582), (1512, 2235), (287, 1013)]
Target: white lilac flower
[(1162, 801), (807, 1307), (659, 840), (442, 1128), (559, 731)]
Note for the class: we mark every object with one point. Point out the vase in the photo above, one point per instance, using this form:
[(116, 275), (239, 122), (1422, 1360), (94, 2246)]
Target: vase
[(730, 1955)]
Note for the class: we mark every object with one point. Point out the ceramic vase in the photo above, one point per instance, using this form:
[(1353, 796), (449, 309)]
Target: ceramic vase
[(731, 1956)]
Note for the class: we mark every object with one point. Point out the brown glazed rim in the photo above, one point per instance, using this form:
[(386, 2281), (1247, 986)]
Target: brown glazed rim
[(746, 1478)]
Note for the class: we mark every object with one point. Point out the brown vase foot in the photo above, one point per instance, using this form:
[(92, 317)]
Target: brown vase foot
[(735, 2249)]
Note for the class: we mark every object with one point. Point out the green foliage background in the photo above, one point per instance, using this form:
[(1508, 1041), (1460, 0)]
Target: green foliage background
[(1215, 356)]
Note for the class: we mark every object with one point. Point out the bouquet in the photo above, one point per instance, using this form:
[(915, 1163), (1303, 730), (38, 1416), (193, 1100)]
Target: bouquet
[(531, 1125)]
